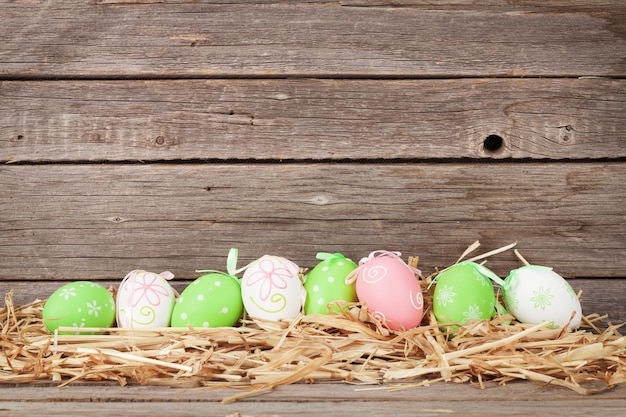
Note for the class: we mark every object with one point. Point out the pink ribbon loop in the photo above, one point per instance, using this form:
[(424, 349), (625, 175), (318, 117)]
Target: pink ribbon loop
[(352, 276)]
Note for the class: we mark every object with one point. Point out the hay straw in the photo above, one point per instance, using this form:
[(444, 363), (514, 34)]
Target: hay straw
[(352, 348)]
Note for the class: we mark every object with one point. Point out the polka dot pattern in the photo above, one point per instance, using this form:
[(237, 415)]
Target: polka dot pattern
[(325, 284), (212, 300)]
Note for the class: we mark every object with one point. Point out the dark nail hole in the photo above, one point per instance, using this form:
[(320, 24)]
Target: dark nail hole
[(207, 188), (493, 143), (20, 137)]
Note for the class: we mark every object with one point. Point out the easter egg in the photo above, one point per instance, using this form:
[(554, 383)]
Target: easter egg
[(325, 283), (79, 304), (145, 300), (271, 289), (534, 294), (389, 289), (212, 300), (464, 292)]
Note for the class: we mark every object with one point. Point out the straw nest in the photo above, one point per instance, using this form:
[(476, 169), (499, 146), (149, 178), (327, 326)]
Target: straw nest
[(351, 348)]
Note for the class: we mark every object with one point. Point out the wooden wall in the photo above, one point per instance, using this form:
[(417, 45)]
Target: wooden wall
[(157, 135)]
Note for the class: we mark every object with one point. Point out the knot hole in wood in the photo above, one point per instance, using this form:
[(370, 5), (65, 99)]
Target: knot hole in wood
[(493, 144)]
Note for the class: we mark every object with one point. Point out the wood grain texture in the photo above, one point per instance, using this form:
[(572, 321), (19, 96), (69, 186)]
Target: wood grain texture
[(311, 119), (101, 221), (515, 399), (500, 5), (62, 39)]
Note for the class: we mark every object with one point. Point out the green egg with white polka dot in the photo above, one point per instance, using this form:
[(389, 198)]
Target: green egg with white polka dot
[(326, 283), (212, 300), (79, 304)]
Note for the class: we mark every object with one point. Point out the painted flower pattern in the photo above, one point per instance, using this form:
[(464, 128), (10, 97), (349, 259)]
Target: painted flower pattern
[(553, 326), (473, 313), (94, 308), (480, 278), (570, 291), (67, 293), (445, 295), (510, 300), (270, 277), (148, 288), (542, 298)]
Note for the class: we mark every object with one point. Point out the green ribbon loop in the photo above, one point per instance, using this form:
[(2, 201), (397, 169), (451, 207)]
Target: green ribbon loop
[(231, 266), (322, 256), (231, 261), (489, 273)]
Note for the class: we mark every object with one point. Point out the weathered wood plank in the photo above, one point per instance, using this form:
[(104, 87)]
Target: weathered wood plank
[(517, 399), (101, 221), (311, 119), (432, 407), (604, 296), (300, 392), (500, 5), (210, 39)]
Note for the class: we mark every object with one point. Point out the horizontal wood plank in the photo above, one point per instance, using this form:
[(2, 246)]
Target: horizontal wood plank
[(112, 39), (101, 221), (83, 391), (515, 399), (311, 119)]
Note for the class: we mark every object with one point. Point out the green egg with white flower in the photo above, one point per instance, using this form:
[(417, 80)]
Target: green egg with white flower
[(79, 304), (464, 292), (212, 300), (325, 284)]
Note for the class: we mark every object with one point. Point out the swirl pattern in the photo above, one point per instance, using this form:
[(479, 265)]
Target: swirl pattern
[(147, 313), (374, 274), (417, 300), (276, 298)]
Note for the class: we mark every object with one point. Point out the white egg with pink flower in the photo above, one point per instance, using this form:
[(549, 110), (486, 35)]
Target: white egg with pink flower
[(271, 289), (145, 300)]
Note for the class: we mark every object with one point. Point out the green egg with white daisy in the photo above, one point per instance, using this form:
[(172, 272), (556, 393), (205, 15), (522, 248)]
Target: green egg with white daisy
[(79, 305), (464, 292)]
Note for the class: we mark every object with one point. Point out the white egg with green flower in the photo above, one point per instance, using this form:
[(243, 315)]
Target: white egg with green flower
[(534, 294)]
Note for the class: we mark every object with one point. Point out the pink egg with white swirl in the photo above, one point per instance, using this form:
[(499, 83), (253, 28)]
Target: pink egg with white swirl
[(271, 289), (390, 290)]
